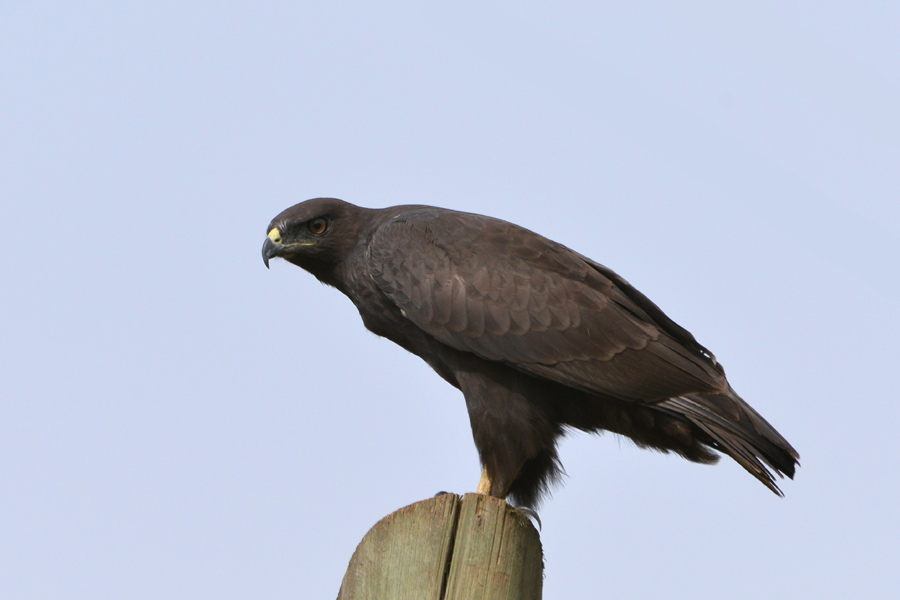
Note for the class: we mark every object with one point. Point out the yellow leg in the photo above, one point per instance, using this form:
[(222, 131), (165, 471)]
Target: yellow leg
[(484, 486)]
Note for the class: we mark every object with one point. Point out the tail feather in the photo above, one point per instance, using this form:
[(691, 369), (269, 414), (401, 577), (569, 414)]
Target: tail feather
[(733, 427)]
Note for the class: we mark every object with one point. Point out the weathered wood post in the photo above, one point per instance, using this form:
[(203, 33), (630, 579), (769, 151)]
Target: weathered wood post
[(448, 548)]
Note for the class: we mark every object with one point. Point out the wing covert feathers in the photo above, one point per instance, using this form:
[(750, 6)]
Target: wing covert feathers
[(507, 294)]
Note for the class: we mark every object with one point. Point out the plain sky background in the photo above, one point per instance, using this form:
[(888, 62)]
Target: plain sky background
[(178, 422)]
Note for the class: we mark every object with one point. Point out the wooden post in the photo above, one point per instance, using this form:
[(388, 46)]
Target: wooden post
[(448, 548)]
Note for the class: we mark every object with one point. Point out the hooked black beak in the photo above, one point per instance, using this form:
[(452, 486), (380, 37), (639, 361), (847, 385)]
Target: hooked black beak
[(269, 250)]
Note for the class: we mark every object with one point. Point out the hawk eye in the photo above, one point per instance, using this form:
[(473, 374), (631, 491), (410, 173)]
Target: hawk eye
[(317, 226)]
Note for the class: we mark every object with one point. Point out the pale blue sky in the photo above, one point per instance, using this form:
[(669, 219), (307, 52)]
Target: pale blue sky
[(178, 422)]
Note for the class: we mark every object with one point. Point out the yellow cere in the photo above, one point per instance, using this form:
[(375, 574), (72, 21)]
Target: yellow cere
[(275, 235)]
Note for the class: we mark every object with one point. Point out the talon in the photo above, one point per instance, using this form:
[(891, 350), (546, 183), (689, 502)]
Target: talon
[(530, 513)]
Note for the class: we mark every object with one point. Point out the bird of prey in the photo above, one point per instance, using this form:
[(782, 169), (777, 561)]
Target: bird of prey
[(539, 339)]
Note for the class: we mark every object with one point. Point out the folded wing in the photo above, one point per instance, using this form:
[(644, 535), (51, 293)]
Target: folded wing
[(504, 293)]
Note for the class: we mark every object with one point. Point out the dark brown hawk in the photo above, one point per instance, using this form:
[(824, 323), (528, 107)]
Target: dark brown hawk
[(538, 338)]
